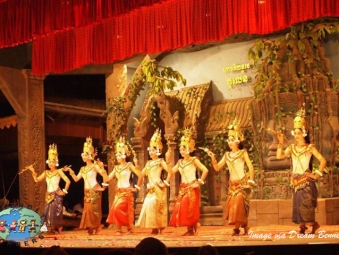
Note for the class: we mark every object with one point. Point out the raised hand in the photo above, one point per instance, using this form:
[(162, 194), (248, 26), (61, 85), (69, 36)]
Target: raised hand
[(67, 168), (30, 167), (99, 163), (280, 137), (208, 151)]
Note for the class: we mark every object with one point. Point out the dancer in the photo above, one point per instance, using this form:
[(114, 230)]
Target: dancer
[(239, 190), (122, 211), (54, 195), (186, 210), (154, 212), (92, 214), (303, 179)]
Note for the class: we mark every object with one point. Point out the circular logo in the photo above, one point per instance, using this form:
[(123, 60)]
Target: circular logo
[(19, 224)]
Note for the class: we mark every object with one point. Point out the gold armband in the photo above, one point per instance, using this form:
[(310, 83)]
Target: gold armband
[(214, 161), (280, 146)]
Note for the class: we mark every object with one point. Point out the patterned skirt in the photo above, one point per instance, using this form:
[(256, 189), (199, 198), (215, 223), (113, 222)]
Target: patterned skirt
[(122, 211), (238, 202), (154, 210), (92, 214), (304, 201), (186, 210), (52, 215)]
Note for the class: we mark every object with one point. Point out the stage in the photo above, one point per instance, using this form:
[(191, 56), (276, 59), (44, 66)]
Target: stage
[(276, 239)]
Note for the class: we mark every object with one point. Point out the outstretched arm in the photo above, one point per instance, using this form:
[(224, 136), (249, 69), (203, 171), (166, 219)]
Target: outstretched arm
[(76, 178), (216, 165), (319, 172), (111, 175), (168, 168), (100, 169), (34, 174), (203, 168), (67, 181)]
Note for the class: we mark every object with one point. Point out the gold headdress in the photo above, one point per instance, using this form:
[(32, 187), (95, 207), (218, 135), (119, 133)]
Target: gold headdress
[(156, 141), (122, 147), (235, 131), (88, 148), (187, 140), (300, 121), (53, 154)]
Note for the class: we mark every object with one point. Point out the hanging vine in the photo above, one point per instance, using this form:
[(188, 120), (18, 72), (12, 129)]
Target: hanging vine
[(158, 78), (301, 49)]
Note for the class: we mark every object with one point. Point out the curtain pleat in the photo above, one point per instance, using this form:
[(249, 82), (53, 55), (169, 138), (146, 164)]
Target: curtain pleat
[(21, 20), (69, 34)]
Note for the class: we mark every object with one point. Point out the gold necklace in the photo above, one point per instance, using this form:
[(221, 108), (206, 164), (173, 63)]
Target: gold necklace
[(152, 163), (237, 155), (50, 174), (120, 168), (88, 168)]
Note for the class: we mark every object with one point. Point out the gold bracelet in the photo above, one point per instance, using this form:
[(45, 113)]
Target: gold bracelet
[(214, 161), (318, 172), (280, 146)]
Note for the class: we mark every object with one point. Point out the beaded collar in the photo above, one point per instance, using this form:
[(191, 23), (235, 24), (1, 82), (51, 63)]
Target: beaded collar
[(236, 156)]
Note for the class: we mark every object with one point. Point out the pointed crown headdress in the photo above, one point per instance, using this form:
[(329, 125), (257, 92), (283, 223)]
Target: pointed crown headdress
[(187, 140), (156, 141), (121, 146), (88, 148), (300, 121), (53, 154), (235, 131)]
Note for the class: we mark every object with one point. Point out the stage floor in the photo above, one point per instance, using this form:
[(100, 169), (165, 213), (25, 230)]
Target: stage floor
[(269, 238)]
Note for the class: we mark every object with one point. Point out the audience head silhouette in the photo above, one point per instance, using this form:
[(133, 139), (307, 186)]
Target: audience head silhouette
[(151, 245), (208, 250), (54, 250)]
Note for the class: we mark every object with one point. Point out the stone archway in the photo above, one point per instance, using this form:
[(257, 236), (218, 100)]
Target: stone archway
[(177, 110)]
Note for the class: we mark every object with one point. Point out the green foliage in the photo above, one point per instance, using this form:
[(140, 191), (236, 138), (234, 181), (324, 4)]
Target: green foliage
[(269, 55), (159, 79)]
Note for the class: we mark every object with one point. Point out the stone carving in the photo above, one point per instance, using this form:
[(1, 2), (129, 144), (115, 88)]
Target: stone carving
[(175, 110)]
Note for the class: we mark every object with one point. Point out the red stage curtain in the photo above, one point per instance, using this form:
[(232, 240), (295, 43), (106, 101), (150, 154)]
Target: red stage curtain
[(101, 31), (22, 20)]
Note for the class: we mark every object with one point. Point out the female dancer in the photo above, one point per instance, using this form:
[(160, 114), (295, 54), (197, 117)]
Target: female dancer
[(187, 206), (122, 211), (154, 210), (239, 190), (303, 179), (54, 195), (92, 214)]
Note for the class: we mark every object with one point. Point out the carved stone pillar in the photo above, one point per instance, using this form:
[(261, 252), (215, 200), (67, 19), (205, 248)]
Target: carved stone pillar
[(31, 140), (139, 147), (175, 180), (116, 84)]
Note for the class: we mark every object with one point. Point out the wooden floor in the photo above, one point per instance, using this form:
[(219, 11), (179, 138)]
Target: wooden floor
[(274, 239)]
